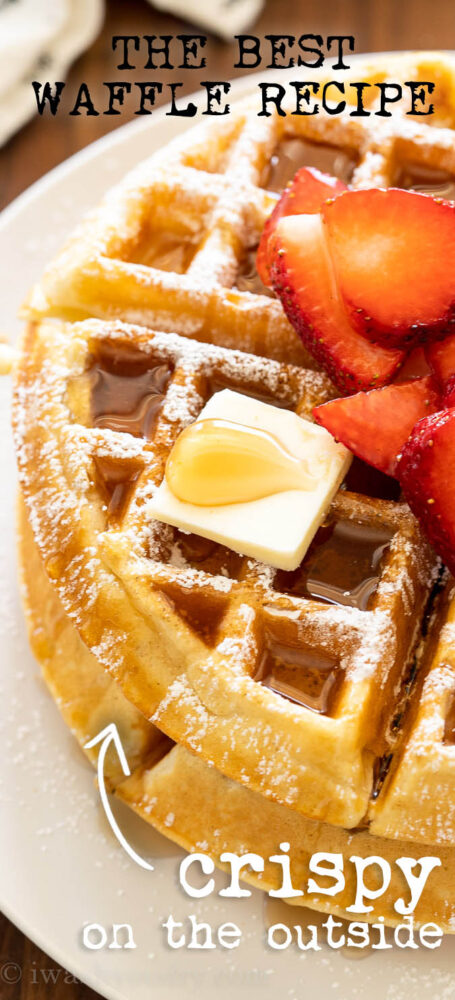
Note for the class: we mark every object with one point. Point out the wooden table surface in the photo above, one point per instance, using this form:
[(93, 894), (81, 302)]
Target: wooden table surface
[(26, 973)]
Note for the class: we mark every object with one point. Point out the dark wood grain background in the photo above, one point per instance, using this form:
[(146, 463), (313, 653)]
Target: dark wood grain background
[(377, 25)]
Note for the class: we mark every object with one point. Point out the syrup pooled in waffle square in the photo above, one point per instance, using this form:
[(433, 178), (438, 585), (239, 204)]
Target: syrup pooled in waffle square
[(285, 681), (173, 245)]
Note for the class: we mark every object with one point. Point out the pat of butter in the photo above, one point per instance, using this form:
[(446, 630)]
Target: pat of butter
[(275, 529)]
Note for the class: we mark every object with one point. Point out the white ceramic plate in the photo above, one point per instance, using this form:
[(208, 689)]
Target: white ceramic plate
[(60, 866)]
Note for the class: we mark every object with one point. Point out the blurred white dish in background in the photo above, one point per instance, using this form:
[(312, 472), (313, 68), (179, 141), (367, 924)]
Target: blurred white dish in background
[(39, 39), (223, 17)]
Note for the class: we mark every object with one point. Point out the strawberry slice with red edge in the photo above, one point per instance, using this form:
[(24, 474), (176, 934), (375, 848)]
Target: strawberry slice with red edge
[(301, 273), (375, 425), (304, 195), (426, 471), (394, 258), (415, 366), (441, 359)]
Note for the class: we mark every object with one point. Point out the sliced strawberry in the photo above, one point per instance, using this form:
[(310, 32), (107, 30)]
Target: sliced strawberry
[(394, 258), (304, 195), (441, 359), (426, 471), (415, 366), (301, 274), (375, 425)]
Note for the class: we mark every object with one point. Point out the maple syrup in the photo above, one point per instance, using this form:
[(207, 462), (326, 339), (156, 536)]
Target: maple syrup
[(449, 727), (203, 616), (219, 462), (381, 769), (428, 180), (300, 674), (166, 251), (292, 154), (342, 566), (203, 553), (218, 382), (363, 478), (127, 389), (248, 279), (115, 480)]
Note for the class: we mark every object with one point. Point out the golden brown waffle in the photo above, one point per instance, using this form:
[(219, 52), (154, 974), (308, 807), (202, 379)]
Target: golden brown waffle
[(172, 246), (86, 695), (203, 641), (187, 800), (417, 799)]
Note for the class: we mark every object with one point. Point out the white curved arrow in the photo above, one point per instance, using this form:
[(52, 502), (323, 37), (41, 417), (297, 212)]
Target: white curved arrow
[(106, 737)]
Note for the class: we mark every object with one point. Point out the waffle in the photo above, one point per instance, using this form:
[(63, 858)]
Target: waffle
[(190, 802), (200, 639), (172, 247), (325, 690)]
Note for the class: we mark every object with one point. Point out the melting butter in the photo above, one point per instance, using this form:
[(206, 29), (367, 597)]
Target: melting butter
[(218, 462)]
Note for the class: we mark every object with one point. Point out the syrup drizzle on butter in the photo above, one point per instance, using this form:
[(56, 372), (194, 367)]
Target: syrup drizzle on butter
[(218, 462)]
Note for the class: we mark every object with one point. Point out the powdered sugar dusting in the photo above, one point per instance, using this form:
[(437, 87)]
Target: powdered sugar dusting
[(223, 214)]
